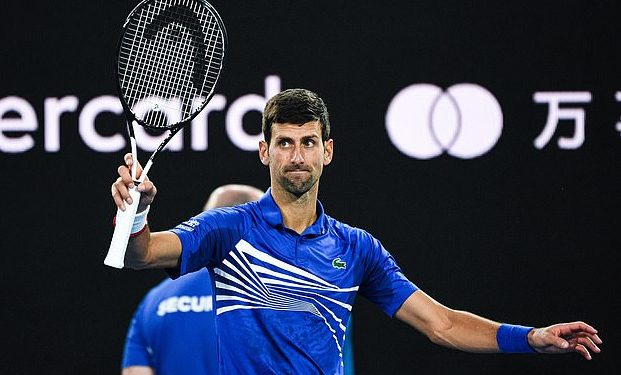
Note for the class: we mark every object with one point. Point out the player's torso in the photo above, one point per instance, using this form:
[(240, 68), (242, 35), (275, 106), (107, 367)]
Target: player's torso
[(287, 298)]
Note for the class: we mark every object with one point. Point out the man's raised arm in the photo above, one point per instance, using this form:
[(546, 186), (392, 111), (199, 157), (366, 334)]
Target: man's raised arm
[(145, 249)]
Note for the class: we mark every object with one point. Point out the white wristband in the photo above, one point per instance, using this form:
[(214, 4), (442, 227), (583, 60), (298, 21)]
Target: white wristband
[(140, 220)]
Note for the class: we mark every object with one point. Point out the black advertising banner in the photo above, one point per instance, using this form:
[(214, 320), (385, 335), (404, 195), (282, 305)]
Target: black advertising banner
[(478, 141)]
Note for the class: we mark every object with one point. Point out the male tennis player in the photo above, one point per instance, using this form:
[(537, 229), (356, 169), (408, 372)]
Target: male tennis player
[(287, 274)]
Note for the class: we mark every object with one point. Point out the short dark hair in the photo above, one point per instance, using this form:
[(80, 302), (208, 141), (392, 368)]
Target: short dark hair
[(295, 106)]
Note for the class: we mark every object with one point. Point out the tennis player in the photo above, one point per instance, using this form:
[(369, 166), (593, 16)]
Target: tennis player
[(286, 273)]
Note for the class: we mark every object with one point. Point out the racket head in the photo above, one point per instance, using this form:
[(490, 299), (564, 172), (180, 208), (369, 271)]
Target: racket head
[(169, 59)]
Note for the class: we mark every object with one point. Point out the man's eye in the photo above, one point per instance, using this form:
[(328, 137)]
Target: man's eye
[(283, 143), (309, 143)]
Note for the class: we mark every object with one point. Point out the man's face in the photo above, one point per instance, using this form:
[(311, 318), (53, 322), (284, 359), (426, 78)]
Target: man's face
[(296, 156)]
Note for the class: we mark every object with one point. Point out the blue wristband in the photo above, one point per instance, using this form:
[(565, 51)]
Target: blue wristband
[(513, 339)]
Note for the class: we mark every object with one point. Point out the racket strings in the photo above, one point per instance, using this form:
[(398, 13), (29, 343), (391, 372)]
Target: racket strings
[(171, 66), (171, 53), (171, 61)]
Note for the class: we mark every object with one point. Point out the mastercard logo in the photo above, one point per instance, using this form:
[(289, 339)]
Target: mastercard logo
[(424, 121)]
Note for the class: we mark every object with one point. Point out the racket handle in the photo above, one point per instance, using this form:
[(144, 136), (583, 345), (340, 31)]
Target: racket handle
[(122, 231)]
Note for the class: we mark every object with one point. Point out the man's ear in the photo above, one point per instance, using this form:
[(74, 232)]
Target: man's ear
[(264, 154), (328, 151)]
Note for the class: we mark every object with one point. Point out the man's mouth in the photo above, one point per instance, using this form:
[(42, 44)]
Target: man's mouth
[(296, 170)]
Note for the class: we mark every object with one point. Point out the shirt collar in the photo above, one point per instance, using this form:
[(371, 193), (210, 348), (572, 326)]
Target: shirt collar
[(271, 214)]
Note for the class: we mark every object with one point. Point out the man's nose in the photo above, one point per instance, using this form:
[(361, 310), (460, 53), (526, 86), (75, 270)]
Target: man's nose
[(297, 157)]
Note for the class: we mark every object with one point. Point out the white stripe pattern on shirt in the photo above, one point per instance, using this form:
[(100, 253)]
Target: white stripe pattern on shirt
[(244, 285)]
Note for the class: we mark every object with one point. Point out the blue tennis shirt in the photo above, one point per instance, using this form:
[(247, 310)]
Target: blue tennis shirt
[(163, 332), (283, 299)]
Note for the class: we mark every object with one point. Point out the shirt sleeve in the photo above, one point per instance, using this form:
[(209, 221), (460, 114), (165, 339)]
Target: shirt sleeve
[(384, 284), (207, 238), (136, 352)]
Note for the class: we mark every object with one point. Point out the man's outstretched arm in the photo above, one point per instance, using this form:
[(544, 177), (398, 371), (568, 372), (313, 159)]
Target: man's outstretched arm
[(469, 332)]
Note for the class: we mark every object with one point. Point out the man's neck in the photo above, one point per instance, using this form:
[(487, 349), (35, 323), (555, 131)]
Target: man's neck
[(298, 213)]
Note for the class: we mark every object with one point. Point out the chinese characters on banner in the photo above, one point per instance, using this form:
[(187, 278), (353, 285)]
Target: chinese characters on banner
[(566, 105)]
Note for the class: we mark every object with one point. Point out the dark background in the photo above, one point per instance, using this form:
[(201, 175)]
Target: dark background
[(520, 235)]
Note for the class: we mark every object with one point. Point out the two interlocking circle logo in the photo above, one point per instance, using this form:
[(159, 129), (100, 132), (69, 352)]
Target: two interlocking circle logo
[(423, 121)]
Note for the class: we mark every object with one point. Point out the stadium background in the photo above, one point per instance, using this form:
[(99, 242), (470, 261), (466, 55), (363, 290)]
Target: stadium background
[(519, 234)]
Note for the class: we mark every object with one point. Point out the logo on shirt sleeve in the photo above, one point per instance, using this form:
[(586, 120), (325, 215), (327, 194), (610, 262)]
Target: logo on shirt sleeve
[(189, 225)]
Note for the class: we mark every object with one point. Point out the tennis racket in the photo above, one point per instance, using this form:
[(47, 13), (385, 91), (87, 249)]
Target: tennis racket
[(170, 56)]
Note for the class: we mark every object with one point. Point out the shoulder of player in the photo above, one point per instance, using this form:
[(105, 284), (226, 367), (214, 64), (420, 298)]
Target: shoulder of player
[(351, 234), (224, 215)]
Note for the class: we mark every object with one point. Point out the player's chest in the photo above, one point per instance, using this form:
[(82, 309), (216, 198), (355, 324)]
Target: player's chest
[(324, 258)]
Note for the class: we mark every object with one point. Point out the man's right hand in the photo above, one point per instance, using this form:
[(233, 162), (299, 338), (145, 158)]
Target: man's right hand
[(120, 188)]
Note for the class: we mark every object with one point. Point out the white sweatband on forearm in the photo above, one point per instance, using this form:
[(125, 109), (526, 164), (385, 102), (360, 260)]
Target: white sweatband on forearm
[(140, 221)]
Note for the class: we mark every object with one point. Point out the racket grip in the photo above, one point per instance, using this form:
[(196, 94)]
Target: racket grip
[(122, 230)]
